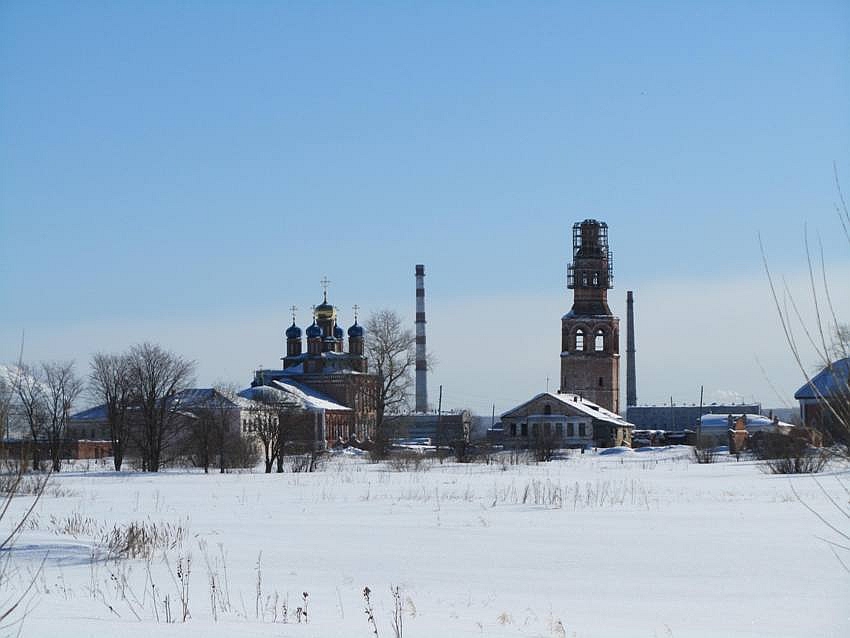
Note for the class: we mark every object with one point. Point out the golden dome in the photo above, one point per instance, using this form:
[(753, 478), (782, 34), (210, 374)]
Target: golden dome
[(325, 311)]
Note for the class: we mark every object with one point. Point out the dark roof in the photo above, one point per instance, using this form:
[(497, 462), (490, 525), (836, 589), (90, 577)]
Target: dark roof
[(97, 413), (189, 398), (833, 380)]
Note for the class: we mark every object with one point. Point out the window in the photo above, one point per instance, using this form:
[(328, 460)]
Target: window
[(513, 429), (579, 340), (596, 279), (582, 429), (599, 341), (559, 429), (600, 382), (524, 429), (571, 429), (547, 409)]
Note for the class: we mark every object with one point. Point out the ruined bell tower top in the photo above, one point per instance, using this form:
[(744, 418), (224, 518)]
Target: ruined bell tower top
[(591, 273)]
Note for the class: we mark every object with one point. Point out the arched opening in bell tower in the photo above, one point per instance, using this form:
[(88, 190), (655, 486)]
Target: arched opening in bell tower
[(599, 341)]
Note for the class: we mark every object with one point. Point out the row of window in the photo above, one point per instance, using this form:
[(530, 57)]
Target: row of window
[(258, 422), (598, 340), (547, 429)]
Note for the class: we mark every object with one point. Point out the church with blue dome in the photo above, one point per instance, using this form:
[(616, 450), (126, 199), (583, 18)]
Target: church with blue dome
[(330, 372), (325, 344)]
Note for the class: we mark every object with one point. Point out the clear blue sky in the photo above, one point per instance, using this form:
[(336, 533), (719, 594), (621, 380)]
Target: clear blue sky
[(184, 172)]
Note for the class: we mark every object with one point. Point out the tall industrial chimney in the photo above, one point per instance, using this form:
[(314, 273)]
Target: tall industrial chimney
[(421, 361), (631, 389)]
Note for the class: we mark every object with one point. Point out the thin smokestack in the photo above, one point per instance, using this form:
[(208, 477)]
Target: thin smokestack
[(421, 360), (631, 386)]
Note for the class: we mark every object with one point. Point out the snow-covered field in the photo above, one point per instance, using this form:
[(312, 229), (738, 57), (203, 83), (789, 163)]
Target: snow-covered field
[(634, 544)]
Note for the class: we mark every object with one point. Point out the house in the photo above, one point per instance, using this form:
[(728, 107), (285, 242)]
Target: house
[(570, 420), (331, 422), (825, 401)]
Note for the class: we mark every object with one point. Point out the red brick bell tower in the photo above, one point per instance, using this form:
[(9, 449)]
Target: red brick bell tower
[(590, 333)]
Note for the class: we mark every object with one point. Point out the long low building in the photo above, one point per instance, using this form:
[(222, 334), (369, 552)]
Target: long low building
[(676, 418), (568, 420)]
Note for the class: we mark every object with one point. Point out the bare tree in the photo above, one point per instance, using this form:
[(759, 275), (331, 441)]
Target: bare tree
[(109, 383), (156, 376), (62, 387), (264, 425), (7, 393), (390, 348), (826, 336), (215, 428), (299, 434), (32, 401)]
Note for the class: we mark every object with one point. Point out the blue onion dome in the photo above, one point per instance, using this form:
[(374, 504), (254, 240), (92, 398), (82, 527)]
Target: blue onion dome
[(356, 330), (338, 332), (293, 332), (314, 331)]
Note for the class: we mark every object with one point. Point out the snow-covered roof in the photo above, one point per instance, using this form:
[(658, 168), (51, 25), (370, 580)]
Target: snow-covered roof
[(291, 392), (266, 394), (578, 403), (206, 398), (832, 381), (755, 422), (311, 398)]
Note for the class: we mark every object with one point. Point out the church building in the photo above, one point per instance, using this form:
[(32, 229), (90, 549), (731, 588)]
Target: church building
[(590, 333), (329, 372)]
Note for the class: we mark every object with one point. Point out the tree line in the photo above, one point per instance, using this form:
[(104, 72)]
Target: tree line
[(144, 411), (144, 408)]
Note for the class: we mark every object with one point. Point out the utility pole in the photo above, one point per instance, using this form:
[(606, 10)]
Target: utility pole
[(440, 421), (672, 415), (493, 418), (699, 420)]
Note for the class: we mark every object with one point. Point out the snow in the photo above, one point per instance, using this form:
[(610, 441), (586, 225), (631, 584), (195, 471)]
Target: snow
[(310, 397), (619, 543)]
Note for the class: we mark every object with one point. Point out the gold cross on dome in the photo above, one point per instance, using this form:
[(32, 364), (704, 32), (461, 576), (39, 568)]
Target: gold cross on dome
[(293, 309), (325, 282), (355, 307)]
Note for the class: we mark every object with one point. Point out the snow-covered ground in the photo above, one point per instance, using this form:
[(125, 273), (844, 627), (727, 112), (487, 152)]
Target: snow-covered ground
[(640, 543)]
